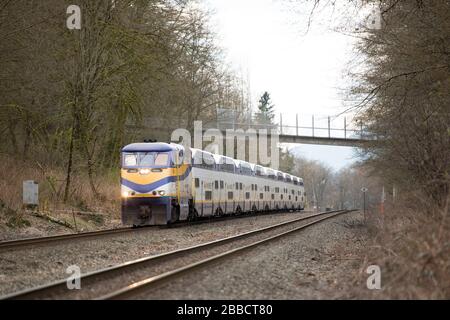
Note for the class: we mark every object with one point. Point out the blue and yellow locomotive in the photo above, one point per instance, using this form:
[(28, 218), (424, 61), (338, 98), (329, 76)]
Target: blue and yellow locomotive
[(154, 180), (162, 183)]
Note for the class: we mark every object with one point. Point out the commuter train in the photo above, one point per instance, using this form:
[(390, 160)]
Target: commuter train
[(161, 184)]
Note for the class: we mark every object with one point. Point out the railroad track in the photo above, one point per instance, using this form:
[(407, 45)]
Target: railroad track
[(17, 244), (149, 272)]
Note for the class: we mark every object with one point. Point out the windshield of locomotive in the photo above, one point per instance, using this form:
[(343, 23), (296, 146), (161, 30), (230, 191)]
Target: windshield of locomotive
[(146, 159)]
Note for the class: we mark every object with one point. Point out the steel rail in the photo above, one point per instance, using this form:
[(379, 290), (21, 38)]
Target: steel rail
[(60, 287), (13, 244), (24, 242), (138, 287)]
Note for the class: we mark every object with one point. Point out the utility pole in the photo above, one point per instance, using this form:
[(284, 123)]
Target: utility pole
[(364, 191), (314, 194)]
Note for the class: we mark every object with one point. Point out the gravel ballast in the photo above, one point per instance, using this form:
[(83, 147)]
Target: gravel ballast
[(316, 263), (32, 266)]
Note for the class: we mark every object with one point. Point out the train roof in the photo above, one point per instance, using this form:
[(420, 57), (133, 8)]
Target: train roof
[(151, 147), (226, 160), (166, 147)]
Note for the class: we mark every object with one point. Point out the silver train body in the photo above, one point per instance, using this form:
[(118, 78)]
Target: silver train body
[(162, 183)]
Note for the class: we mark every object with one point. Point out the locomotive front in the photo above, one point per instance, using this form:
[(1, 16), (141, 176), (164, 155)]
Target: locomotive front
[(150, 178)]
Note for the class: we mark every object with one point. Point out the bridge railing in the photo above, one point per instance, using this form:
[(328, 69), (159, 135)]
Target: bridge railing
[(306, 126)]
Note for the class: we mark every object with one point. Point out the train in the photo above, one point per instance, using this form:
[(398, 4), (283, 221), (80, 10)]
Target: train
[(162, 184)]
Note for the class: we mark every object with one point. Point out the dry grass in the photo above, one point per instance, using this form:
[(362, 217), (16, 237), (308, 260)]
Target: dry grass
[(51, 188), (411, 244)]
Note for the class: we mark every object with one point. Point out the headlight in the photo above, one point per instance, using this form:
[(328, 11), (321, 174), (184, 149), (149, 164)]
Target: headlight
[(126, 194), (161, 192), (144, 171)]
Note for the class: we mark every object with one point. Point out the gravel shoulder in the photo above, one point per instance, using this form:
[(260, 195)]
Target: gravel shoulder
[(32, 266)]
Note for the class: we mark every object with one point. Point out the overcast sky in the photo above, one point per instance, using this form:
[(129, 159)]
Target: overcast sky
[(303, 71)]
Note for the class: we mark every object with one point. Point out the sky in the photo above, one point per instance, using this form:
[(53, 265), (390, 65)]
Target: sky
[(266, 41)]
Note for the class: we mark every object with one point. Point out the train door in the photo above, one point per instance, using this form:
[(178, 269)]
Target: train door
[(236, 196), (241, 196), (197, 193), (182, 185), (255, 196), (252, 196), (225, 198)]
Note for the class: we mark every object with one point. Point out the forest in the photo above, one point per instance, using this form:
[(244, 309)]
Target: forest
[(137, 69)]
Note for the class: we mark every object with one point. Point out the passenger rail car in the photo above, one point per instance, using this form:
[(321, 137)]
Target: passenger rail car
[(162, 183)]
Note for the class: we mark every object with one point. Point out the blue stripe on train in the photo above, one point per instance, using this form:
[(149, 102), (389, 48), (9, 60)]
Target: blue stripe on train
[(145, 188)]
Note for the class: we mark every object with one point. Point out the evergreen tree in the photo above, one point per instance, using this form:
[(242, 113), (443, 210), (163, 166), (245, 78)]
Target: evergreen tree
[(265, 114)]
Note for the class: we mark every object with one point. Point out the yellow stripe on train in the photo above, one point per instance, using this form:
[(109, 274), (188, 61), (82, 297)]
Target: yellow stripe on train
[(153, 176)]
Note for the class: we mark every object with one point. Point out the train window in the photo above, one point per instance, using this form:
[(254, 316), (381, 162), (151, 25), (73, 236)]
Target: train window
[(197, 182), (216, 184), (237, 186), (161, 159), (229, 167), (240, 185), (259, 171), (221, 184), (208, 195), (261, 195), (247, 195), (226, 165), (273, 196), (230, 195), (129, 160), (203, 160)]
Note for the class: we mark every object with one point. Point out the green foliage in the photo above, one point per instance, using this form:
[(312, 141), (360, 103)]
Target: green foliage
[(287, 161), (265, 113)]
